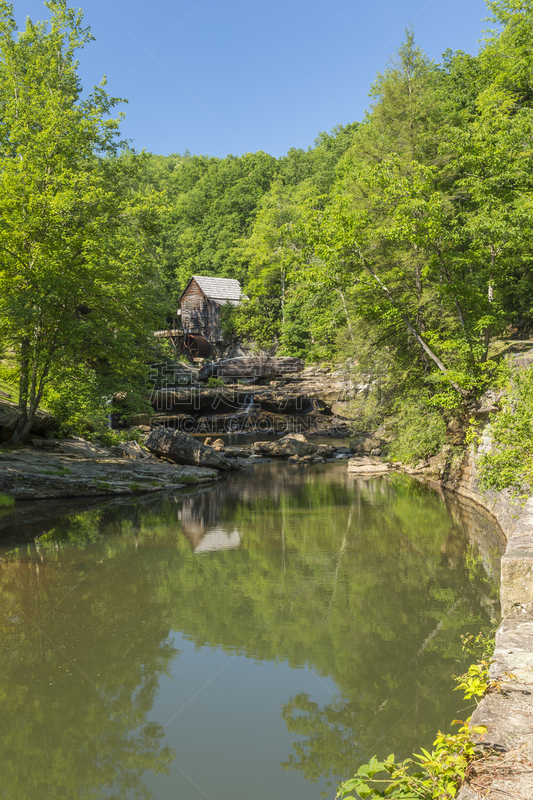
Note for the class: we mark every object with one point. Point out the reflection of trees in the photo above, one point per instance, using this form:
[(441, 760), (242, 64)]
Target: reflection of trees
[(77, 687), (332, 735), (368, 582)]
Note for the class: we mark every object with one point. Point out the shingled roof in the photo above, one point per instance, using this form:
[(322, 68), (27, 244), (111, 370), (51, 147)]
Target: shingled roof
[(220, 290)]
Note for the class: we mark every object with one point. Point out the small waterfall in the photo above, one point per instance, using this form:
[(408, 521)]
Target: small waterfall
[(248, 406)]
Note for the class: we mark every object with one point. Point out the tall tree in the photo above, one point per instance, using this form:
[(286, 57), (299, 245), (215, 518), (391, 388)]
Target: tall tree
[(77, 279)]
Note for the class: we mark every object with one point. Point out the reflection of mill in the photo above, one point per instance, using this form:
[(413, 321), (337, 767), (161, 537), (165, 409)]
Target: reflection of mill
[(200, 520)]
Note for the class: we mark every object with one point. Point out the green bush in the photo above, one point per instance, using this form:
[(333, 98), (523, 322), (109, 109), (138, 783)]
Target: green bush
[(510, 462), (6, 500), (79, 397), (419, 430), (435, 775)]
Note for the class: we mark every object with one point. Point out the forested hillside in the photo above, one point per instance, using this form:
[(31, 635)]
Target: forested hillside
[(402, 240), (410, 228)]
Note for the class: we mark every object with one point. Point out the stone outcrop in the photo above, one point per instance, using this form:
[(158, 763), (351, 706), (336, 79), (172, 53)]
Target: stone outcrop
[(251, 367), (184, 449), (368, 466), (75, 468), (508, 713), (335, 389), (294, 444), (311, 401)]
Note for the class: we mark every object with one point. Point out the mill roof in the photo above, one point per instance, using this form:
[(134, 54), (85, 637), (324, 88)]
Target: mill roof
[(220, 290)]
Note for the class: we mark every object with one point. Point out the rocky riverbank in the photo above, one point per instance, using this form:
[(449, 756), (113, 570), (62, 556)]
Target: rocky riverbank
[(52, 468), (168, 459), (508, 712)]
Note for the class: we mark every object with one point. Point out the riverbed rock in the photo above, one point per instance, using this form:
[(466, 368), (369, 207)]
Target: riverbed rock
[(72, 470), (368, 444), (130, 450), (294, 444), (184, 449), (367, 466), (252, 367)]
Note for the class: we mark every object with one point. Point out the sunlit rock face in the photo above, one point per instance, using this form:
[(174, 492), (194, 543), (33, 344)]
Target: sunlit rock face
[(185, 449)]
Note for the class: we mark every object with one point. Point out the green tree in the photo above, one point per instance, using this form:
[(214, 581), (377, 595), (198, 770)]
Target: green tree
[(78, 281)]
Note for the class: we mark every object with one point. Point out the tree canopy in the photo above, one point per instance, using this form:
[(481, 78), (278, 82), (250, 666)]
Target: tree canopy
[(78, 276), (403, 238)]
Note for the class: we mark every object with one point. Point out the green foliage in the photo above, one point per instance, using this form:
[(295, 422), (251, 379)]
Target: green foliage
[(81, 398), (475, 682), (435, 775), (76, 400), (188, 479), (79, 280), (419, 430), (6, 500), (480, 645), (213, 383), (509, 463), (228, 325)]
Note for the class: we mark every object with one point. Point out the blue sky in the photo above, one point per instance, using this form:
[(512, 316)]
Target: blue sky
[(235, 76)]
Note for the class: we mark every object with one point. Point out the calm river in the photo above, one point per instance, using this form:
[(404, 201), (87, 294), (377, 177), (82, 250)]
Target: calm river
[(254, 640)]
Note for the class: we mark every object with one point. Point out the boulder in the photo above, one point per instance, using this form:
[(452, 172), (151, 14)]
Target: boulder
[(129, 450), (184, 449), (42, 424), (294, 444), (368, 444), (367, 466)]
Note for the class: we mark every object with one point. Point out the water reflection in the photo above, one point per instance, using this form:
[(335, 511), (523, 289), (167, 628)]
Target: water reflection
[(361, 588)]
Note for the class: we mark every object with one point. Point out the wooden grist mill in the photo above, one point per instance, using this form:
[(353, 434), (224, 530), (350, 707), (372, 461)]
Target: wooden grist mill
[(199, 311)]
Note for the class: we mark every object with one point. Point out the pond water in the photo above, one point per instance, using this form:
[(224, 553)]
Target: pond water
[(257, 639)]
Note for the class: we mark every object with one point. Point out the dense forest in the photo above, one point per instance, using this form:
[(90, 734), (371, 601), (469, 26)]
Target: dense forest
[(402, 241)]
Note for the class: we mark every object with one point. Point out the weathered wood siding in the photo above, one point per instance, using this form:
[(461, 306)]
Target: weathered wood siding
[(200, 315)]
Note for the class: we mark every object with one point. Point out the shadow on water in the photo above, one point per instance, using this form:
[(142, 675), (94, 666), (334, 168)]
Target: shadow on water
[(334, 605)]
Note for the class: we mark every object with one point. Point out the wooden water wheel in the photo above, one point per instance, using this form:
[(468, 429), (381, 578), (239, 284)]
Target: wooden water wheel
[(194, 346)]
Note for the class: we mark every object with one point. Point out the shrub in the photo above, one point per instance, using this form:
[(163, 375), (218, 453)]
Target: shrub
[(6, 500), (510, 461), (419, 430), (434, 775)]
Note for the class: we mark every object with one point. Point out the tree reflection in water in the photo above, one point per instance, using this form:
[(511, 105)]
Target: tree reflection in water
[(368, 582)]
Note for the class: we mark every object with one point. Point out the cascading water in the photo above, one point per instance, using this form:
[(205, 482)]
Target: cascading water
[(248, 406)]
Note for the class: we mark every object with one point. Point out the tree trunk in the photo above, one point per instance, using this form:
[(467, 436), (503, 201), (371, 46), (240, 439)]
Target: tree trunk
[(348, 321), (30, 394), (421, 341)]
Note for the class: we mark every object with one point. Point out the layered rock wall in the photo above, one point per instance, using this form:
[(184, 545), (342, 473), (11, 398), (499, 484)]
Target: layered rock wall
[(508, 712)]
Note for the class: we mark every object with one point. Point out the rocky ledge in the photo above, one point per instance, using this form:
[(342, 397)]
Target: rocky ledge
[(49, 468), (54, 468)]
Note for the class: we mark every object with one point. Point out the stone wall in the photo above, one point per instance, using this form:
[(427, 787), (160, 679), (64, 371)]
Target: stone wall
[(507, 713)]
